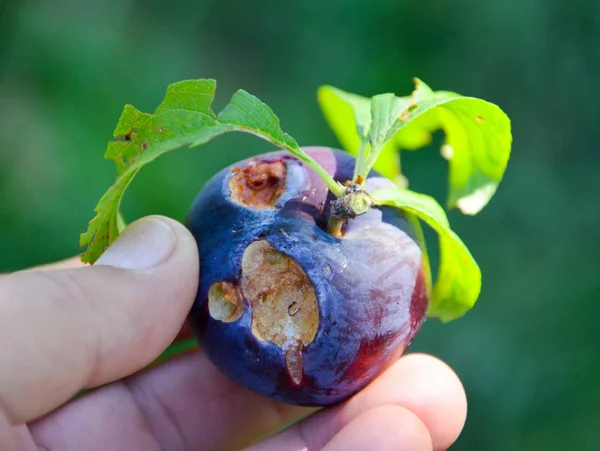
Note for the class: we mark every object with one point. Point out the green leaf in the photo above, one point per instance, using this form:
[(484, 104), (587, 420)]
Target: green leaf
[(458, 282), (154, 137), (349, 116), (478, 137), (385, 110), (183, 119), (247, 113), (477, 147), (417, 133)]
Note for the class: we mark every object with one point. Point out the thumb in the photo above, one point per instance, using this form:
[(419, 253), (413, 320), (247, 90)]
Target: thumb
[(67, 329)]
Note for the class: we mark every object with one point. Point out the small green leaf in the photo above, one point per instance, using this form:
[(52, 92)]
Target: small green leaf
[(458, 282), (478, 137), (477, 147), (183, 119), (385, 110), (349, 116)]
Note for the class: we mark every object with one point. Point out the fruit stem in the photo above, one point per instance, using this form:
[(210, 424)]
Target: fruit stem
[(356, 201), (336, 188), (334, 226)]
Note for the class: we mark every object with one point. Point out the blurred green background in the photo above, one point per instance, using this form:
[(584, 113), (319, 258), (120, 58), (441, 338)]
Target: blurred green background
[(529, 353)]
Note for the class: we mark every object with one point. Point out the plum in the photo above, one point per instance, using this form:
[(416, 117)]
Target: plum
[(285, 308)]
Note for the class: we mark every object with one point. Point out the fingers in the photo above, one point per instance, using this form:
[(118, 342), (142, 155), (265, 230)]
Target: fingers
[(189, 404), (418, 383), (66, 329), (384, 428), (185, 404), (425, 382), (73, 262)]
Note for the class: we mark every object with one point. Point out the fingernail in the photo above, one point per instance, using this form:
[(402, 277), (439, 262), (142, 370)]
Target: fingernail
[(143, 244)]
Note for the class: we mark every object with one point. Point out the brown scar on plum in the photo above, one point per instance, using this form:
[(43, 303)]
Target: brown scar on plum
[(284, 303), (225, 302), (259, 185)]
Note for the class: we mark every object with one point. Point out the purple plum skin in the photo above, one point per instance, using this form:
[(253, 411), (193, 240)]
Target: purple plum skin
[(369, 284)]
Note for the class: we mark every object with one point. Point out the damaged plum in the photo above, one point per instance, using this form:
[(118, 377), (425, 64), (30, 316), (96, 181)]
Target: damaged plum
[(314, 273), (284, 307)]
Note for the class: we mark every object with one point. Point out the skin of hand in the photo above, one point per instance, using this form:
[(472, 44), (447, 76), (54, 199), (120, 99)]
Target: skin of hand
[(67, 327)]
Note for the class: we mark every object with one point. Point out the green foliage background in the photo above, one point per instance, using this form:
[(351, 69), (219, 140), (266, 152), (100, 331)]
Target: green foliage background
[(529, 352)]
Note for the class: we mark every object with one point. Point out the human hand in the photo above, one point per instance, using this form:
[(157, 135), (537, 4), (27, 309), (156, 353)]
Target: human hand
[(65, 328)]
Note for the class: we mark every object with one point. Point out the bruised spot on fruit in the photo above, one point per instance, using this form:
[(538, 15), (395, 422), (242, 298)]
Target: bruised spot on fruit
[(225, 302), (284, 304), (259, 185)]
